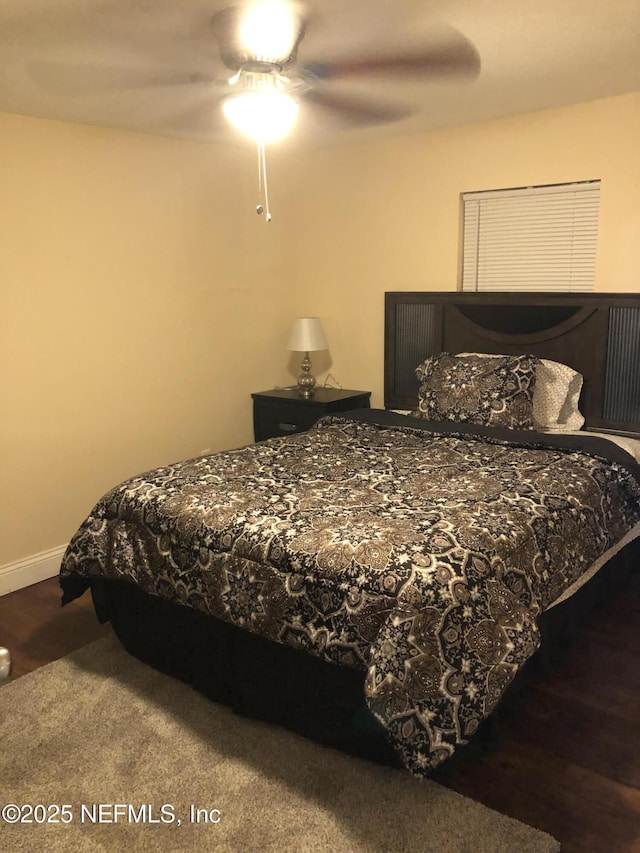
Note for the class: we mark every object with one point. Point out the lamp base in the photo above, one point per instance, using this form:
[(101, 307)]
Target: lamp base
[(306, 382)]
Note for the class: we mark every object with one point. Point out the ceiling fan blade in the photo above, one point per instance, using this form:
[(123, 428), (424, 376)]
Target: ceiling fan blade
[(356, 110), (78, 80), (452, 57)]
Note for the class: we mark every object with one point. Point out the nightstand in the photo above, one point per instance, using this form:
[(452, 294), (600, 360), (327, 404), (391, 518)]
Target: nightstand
[(284, 411)]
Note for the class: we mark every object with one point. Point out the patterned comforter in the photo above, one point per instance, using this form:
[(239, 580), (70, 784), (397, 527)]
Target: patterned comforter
[(419, 553)]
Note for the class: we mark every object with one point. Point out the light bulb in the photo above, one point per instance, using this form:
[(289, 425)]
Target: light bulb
[(268, 30), (263, 116)]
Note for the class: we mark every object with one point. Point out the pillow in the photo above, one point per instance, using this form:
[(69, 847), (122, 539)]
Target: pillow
[(555, 401), (556, 395), (488, 390)]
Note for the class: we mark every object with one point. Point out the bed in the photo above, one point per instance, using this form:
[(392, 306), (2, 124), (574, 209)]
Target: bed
[(380, 581)]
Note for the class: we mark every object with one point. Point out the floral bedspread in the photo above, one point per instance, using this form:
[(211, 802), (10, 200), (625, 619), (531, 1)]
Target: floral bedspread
[(415, 552)]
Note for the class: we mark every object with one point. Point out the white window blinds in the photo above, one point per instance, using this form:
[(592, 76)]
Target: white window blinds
[(536, 238)]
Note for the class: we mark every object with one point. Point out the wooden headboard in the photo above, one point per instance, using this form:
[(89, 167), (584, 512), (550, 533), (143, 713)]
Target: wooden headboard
[(596, 334)]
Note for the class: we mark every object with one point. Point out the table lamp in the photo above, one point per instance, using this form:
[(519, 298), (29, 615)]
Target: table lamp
[(307, 336)]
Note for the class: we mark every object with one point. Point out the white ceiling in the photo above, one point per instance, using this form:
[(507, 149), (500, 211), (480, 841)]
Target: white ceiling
[(74, 60)]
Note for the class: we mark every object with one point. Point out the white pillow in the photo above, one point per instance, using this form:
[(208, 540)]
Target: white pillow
[(555, 396)]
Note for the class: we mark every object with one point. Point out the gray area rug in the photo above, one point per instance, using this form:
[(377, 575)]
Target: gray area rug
[(98, 731)]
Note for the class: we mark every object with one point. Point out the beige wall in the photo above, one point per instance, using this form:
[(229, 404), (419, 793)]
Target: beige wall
[(386, 216), (140, 304), (142, 300)]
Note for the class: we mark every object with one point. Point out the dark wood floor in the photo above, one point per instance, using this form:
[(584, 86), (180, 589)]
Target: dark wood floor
[(37, 630), (568, 761)]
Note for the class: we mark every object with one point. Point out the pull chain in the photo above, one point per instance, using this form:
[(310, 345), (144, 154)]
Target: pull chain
[(263, 189)]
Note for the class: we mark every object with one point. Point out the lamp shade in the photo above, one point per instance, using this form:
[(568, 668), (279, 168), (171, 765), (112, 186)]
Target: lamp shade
[(307, 335)]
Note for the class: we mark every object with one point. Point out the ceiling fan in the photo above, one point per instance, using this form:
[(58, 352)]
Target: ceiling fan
[(268, 46), (259, 43), (266, 72)]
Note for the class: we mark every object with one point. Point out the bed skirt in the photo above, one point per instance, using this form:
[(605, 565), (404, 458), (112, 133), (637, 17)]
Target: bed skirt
[(279, 684)]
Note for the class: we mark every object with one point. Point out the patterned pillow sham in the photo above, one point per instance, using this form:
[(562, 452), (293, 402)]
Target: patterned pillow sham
[(492, 390), (555, 397)]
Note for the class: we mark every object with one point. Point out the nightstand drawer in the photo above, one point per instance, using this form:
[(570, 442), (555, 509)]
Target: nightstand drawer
[(282, 419), (284, 412)]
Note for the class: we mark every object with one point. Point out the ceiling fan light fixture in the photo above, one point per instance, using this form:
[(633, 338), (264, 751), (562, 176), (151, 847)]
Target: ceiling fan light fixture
[(263, 116), (268, 30)]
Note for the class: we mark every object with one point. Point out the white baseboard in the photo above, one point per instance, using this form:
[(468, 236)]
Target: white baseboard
[(32, 569)]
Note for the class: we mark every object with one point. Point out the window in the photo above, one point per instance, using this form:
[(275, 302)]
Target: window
[(533, 238)]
